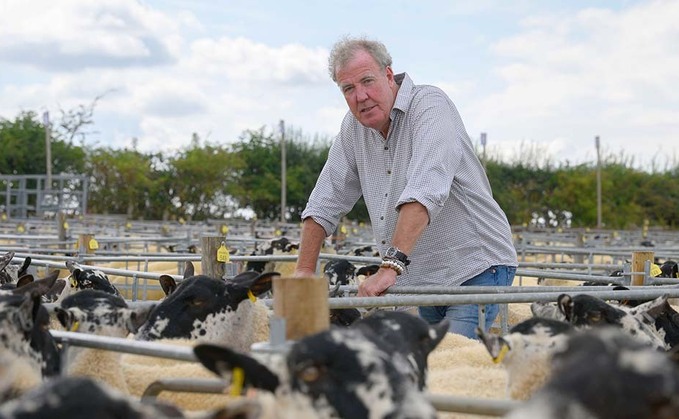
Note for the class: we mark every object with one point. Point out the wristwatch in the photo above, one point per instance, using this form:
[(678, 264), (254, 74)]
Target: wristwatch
[(395, 253)]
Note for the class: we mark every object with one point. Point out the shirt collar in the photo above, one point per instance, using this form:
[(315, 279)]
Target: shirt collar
[(404, 92)]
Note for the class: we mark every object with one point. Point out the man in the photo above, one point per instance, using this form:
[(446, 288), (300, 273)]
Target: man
[(404, 148)]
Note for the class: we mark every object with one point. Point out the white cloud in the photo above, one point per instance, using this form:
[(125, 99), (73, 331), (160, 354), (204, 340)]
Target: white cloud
[(71, 34), (570, 77)]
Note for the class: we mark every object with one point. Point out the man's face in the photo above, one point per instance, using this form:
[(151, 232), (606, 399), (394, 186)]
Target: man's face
[(369, 91)]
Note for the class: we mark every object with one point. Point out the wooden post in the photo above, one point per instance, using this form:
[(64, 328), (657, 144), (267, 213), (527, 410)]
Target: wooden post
[(209, 264), (61, 228), (303, 303), (579, 257), (638, 261), (87, 244)]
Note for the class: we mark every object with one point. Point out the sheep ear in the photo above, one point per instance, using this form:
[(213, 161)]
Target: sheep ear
[(263, 282), (222, 360), (28, 312), (64, 316), (440, 330), (37, 287), (138, 317), (658, 307), (168, 284), (189, 270), (565, 303), (56, 290), (24, 280), (24, 267)]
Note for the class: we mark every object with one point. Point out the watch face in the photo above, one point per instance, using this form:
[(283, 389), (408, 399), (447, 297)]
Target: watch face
[(391, 252)]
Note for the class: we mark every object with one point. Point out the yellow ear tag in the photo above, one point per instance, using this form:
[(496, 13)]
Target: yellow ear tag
[(501, 355), (224, 229), (21, 228), (251, 296), (181, 220), (343, 230), (237, 381), (128, 225), (3, 217), (65, 225), (93, 244), (75, 326), (222, 253), (277, 233), (73, 283), (655, 270)]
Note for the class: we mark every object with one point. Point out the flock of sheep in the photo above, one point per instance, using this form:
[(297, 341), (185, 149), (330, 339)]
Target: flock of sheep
[(578, 357)]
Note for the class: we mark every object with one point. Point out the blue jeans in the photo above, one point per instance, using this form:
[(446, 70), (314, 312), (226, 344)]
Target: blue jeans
[(464, 318)]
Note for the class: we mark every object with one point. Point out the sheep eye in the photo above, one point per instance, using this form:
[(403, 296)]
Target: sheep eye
[(197, 303), (595, 316), (310, 374)]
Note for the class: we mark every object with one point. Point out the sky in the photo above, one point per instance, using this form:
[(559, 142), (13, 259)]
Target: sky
[(542, 79)]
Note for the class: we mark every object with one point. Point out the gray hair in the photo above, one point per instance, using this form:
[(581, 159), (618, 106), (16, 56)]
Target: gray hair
[(346, 47)]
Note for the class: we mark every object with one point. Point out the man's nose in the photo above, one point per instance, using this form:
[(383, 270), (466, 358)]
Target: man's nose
[(361, 93)]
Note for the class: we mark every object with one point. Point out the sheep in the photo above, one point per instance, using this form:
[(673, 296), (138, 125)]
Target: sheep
[(340, 271), (276, 246), (606, 374), (586, 310), (82, 398), (11, 273), (90, 279), (24, 343), (27, 283), (101, 313), (98, 313), (213, 310), (363, 371), (526, 352)]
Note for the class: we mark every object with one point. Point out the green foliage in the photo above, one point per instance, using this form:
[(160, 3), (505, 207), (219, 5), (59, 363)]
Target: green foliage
[(199, 177), (121, 181), (206, 180), (258, 178), (23, 151)]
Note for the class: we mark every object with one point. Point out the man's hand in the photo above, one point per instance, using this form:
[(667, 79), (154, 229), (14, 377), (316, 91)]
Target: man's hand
[(376, 284)]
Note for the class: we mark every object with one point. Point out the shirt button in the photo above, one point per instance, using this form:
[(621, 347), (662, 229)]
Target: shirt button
[(386, 194), (388, 172), (384, 242), (382, 217), (386, 148)]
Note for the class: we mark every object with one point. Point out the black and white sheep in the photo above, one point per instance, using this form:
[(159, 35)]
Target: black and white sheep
[(103, 314), (87, 278), (363, 371), (82, 398), (606, 374), (526, 352), (212, 310)]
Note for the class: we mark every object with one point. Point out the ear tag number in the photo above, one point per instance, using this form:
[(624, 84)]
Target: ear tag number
[(222, 254), (93, 244)]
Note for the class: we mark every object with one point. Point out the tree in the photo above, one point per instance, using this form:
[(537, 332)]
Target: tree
[(22, 149), (120, 181), (201, 176)]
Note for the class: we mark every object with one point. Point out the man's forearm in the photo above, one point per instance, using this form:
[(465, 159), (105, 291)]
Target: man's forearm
[(413, 218), (313, 235)]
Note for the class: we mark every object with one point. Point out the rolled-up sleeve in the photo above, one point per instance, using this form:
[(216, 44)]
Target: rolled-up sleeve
[(435, 156), (337, 189)]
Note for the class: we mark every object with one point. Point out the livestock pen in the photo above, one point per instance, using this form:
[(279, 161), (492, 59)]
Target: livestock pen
[(137, 258)]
